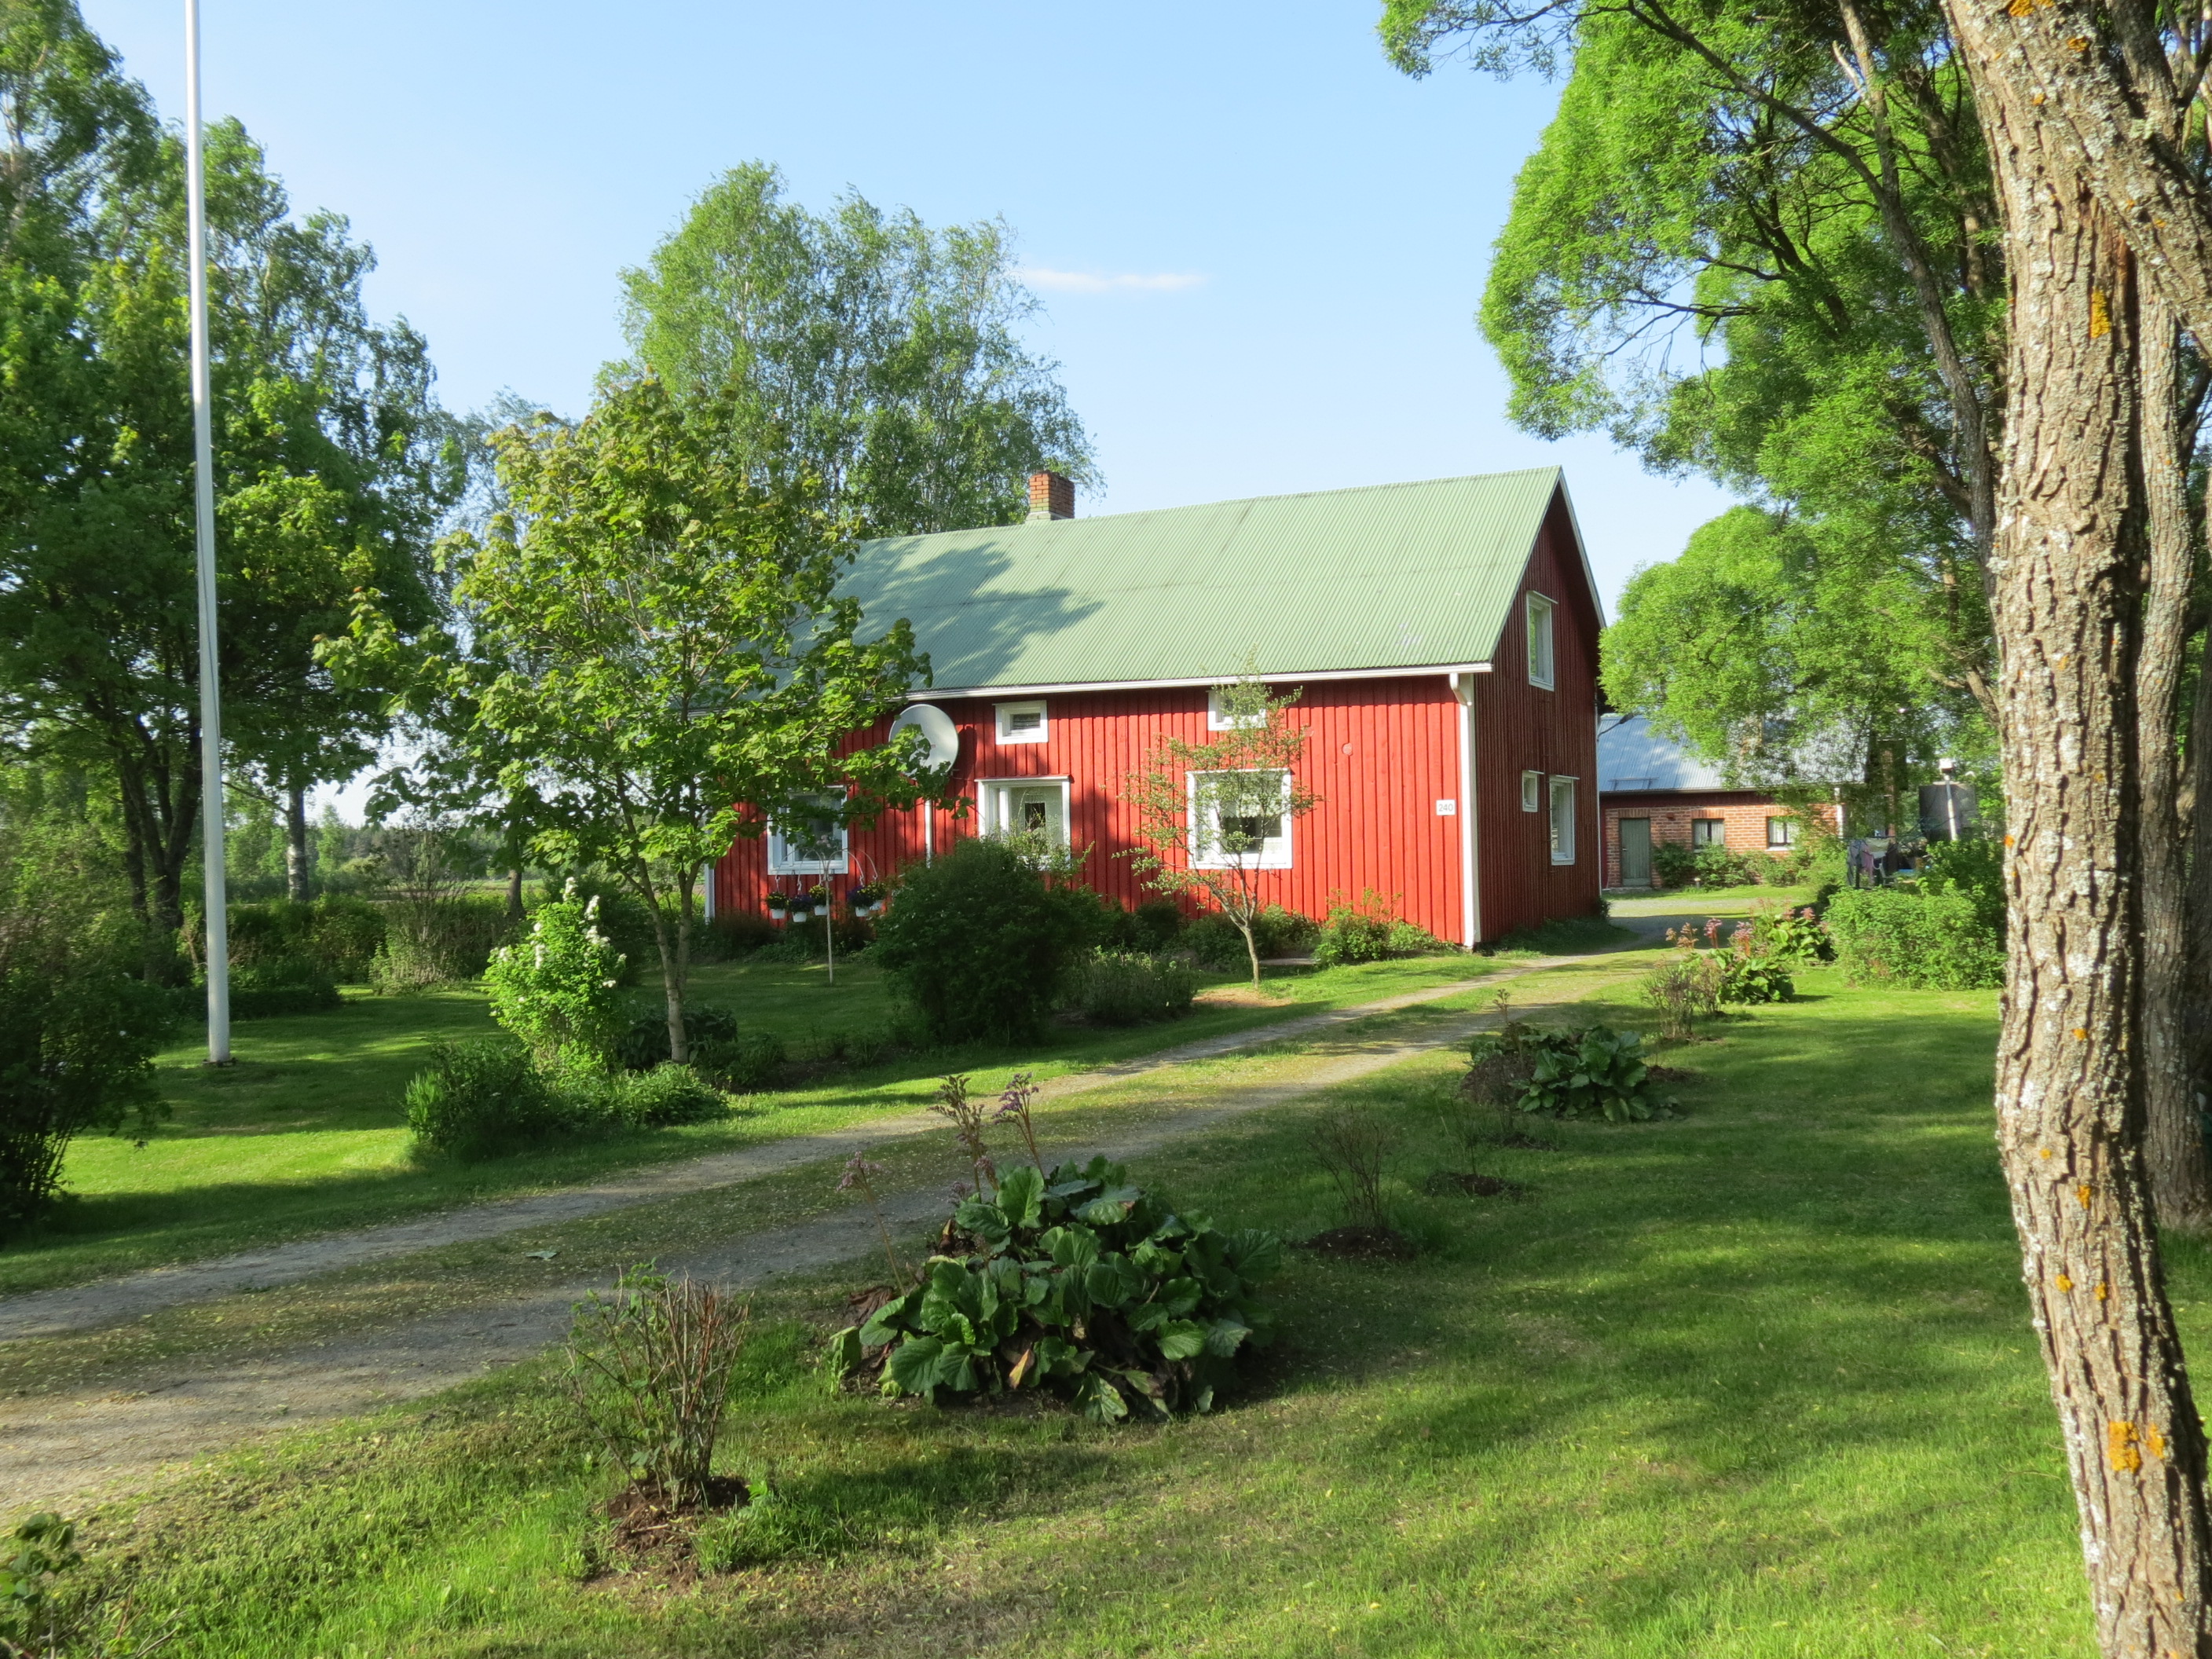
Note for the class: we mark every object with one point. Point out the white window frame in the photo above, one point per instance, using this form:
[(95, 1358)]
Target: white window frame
[(994, 795), (1542, 668), (1006, 711), (1531, 792), (1788, 825), (1218, 721), (1563, 788), (782, 862), (1273, 854)]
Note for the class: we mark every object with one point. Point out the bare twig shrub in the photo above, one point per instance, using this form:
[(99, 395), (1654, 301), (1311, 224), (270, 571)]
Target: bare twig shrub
[(1685, 990), (967, 1116), (649, 1368), (1352, 1146)]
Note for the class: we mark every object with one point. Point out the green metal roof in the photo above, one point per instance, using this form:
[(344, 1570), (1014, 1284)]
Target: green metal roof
[(1408, 575)]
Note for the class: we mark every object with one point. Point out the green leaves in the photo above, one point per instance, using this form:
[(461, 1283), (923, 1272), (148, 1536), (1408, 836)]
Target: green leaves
[(1082, 1282), (1595, 1071)]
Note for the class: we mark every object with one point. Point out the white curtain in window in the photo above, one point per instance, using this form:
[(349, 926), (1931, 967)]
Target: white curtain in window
[(1240, 820), (1563, 820)]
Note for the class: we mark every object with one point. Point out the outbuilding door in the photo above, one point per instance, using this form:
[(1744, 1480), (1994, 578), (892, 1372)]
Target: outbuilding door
[(1636, 852)]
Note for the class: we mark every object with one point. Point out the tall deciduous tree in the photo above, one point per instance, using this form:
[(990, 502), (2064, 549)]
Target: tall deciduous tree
[(860, 347), (657, 655)]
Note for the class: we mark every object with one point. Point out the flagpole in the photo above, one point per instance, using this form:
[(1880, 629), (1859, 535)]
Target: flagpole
[(217, 902)]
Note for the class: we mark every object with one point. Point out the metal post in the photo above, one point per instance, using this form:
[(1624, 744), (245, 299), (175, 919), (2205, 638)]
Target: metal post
[(211, 808), (830, 925)]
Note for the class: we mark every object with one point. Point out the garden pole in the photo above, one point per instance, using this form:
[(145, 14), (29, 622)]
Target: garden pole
[(830, 927), (216, 902)]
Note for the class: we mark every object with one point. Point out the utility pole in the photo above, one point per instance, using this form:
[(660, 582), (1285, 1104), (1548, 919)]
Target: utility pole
[(218, 903)]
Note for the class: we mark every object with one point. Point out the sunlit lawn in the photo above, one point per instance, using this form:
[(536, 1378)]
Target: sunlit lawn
[(1754, 1382), (305, 1131)]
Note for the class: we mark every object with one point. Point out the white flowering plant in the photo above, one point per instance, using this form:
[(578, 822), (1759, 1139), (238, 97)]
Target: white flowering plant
[(558, 991)]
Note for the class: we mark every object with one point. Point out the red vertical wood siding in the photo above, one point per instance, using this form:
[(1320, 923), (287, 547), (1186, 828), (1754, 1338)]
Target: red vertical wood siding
[(1380, 753), (1520, 728)]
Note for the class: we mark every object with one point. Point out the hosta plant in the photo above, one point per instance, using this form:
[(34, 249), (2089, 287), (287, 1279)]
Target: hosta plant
[(1745, 978), (1593, 1072), (1077, 1282)]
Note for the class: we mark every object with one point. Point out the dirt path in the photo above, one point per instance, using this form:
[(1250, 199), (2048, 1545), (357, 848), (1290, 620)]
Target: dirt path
[(64, 1451), (107, 1302)]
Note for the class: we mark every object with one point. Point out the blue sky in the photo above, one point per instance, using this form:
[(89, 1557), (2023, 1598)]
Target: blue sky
[(1260, 248)]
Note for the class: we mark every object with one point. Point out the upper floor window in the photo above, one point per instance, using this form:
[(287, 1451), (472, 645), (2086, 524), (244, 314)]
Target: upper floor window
[(1563, 820), (809, 843), (1540, 641), (1021, 722), (1220, 717), (1240, 820)]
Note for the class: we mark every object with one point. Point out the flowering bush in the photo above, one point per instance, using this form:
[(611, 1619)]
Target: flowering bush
[(559, 991)]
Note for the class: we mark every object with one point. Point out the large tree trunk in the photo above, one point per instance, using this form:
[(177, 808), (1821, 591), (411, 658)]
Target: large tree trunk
[(2068, 608), (2174, 1141), (2196, 1004), (297, 885)]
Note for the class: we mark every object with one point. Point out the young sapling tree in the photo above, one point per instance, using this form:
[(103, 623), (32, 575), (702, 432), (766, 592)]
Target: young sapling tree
[(1211, 815)]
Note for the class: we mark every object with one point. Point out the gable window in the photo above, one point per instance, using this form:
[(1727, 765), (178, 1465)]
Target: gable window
[(1540, 641), (1707, 832), (1218, 717), (1240, 820), (1782, 832), (1021, 722), (1531, 792), (1025, 807), (809, 843), (1563, 820)]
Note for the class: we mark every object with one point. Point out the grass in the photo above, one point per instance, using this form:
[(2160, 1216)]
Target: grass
[(1755, 1381), (305, 1134)]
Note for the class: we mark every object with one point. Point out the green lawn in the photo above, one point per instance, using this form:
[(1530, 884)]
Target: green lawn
[(305, 1134), (1757, 1381)]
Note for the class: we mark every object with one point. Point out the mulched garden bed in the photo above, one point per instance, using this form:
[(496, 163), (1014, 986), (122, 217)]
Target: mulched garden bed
[(1444, 1182), (1360, 1244)]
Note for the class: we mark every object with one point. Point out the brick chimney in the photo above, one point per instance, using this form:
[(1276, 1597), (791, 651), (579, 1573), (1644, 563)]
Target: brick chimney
[(1051, 496)]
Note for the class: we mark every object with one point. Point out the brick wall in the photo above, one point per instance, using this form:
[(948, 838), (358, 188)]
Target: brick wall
[(1743, 811)]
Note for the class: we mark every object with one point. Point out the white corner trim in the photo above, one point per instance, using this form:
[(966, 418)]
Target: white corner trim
[(1470, 880)]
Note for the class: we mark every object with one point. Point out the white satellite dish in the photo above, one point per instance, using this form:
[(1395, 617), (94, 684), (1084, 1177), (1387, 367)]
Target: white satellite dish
[(934, 724)]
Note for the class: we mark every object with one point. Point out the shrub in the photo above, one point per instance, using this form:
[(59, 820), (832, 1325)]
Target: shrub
[(1746, 978), (1078, 1282), (1791, 936), (1595, 1070), (745, 1064), (1122, 988), (480, 1099), (741, 932), (1975, 868), (279, 985), (1213, 942), (1685, 988), (1679, 866), (559, 991), (644, 1042), (649, 1368), (437, 941), (76, 1051), (978, 944), (338, 933), (1351, 1145), (1939, 938), (1351, 935), (667, 1095), (1159, 921)]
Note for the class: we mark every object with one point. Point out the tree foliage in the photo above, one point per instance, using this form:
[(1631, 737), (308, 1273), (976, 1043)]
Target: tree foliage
[(860, 348)]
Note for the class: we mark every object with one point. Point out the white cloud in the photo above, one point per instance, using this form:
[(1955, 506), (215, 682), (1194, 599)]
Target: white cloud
[(1085, 281)]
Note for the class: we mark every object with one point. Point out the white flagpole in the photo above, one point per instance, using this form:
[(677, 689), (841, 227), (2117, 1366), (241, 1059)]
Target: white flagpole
[(217, 897)]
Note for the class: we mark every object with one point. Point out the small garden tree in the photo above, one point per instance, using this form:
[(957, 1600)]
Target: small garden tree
[(1212, 817), (657, 659)]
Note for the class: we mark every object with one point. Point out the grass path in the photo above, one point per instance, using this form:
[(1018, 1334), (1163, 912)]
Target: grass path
[(57, 1445)]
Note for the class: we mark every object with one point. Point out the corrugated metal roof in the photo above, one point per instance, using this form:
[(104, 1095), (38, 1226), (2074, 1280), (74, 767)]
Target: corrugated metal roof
[(1631, 755), (1410, 575)]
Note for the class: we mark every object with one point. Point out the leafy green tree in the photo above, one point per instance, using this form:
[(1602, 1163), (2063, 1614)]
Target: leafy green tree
[(656, 655), (1208, 813), (331, 457), (860, 347)]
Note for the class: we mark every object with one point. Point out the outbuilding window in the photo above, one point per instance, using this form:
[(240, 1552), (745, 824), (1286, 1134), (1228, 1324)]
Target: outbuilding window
[(1531, 792), (1025, 807), (1540, 641), (1022, 722), (1240, 820), (809, 844), (1707, 832), (1781, 832), (1563, 820)]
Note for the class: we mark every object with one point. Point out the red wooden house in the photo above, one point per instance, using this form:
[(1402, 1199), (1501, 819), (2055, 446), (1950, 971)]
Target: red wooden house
[(1442, 637)]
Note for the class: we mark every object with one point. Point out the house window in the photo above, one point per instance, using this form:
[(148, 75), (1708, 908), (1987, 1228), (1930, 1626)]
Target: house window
[(1540, 641), (1025, 807), (1781, 833), (806, 843), (1563, 820), (1218, 718), (1240, 820), (1531, 792), (1021, 722), (1707, 832)]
